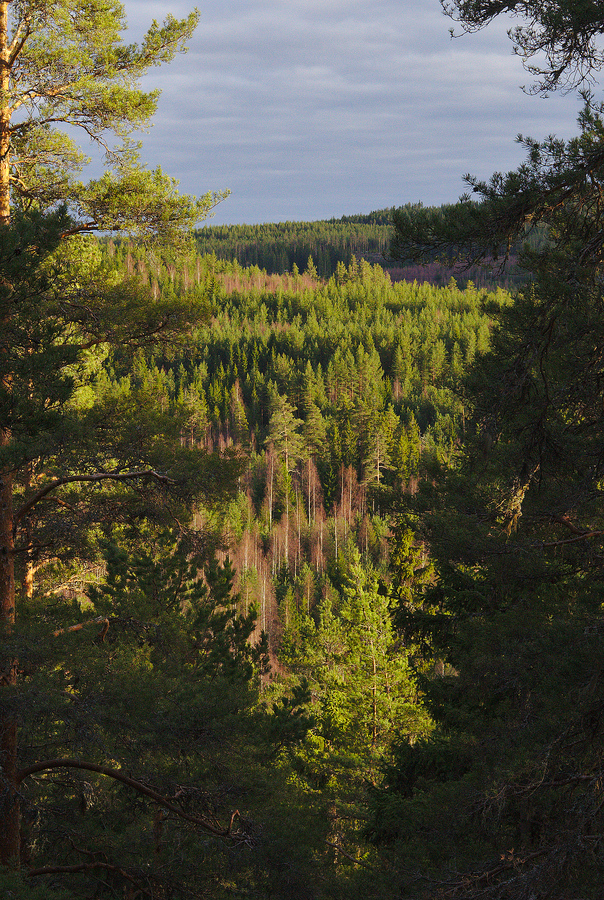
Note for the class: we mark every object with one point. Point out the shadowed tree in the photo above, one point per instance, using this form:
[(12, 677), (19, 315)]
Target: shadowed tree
[(503, 800), (63, 64)]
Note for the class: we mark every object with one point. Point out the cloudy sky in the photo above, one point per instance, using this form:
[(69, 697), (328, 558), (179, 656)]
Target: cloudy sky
[(308, 109)]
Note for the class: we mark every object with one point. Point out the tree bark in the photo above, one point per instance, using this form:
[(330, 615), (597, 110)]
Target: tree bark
[(9, 800), (5, 114), (7, 562), (7, 554)]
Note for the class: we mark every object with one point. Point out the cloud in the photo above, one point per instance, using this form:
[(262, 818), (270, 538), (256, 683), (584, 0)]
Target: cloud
[(316, 108)]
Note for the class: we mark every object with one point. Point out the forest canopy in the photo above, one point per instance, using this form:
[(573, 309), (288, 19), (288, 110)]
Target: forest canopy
[(300, 561), (504, 792)]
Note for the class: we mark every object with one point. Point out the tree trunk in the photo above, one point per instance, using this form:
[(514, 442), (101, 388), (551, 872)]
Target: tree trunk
[(270, 493), (286, 548), (4, 115), (7, 570), (309, 489), (10, 818), (7, 556), (9, 801)]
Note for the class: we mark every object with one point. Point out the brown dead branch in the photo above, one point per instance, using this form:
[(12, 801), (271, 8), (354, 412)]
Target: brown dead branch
[(573, 540), (100, 620), (564, 520)]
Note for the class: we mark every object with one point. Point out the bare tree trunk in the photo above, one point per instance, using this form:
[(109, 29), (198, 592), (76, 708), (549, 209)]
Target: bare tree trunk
[(5, 114), (7, 549), (335, 529), (7, 562), (299, 518), (9, 800), (374, 698), (9, 808), (10, 818), (28, 579), (309, 489), (321, 542), (286, 542), (270, 493)]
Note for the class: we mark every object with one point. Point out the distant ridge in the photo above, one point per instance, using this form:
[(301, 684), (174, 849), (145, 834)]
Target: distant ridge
[(279, 248)]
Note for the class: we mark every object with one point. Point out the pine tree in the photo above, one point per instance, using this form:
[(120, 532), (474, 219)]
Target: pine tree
[(65, 437), (156, 671), (284, 436), (65, 62), (503, 800)]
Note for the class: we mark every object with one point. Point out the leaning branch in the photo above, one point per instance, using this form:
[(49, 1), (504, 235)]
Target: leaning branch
[(357, 862), (86, 867), (22, 33), (50, 764), (97, 477), (100, 620), (573, 540)]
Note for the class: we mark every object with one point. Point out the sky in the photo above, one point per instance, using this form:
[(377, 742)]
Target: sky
[(312, 109)]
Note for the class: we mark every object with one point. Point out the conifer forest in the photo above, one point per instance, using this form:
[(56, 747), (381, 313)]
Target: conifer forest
[(302, 524)]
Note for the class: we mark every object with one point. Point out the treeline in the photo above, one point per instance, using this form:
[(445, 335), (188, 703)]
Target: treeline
[(279, 247)]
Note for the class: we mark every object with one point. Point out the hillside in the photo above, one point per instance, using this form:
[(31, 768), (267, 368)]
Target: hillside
[(279, 247)]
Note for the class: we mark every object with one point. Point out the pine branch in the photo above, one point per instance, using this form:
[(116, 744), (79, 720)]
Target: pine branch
[(97, 477), (117, 775), (86, 867), (100, 620)]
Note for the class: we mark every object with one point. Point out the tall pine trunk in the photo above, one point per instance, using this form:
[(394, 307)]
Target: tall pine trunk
[(9, 801), (7, 570), (5, 113)]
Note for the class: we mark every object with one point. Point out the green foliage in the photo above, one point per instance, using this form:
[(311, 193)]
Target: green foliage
[(19, 887), (165, 582), (149, 759), (503, 799), (68, 64), (85, 446), (350, 429), (289, 722), (346, 399), (363, 696), (557, 39), (155, 669), (315, 248), (82, 444)]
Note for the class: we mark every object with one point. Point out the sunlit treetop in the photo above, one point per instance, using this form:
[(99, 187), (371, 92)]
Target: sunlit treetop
[(68, 75)]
